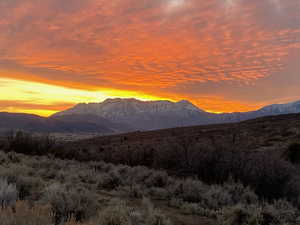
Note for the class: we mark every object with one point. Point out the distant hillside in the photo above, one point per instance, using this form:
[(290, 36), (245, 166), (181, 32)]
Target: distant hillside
[(258, 133), (68, 123)]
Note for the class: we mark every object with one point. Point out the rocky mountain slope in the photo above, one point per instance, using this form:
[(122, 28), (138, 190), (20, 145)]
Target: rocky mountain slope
[(143, 115)]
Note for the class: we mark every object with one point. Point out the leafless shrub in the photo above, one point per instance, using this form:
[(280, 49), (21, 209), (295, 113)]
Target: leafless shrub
[(135, 191), (8, 194), (157, 179), (14, 171), (228, 194), (197, 209), (109, 181), (116, 214), (3, 158), (280, 213), (239, 193), (28, 187), (158, 193), (175, 202), (190, 208), (216, 197), (283, 211), (153, 216), (68, 203), (13, 157), (239, 215), (191, 190), (139, 174)]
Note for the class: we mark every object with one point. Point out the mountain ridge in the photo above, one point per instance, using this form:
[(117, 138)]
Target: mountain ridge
[(119, 115)]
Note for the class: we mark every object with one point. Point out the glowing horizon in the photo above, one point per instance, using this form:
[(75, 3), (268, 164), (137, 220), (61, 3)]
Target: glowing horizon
[(44, 100)]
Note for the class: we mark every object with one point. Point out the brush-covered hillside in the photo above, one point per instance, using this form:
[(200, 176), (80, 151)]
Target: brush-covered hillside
[(228, 174)]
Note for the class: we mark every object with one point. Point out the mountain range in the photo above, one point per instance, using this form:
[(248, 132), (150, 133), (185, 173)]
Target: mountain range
[(126, 115)]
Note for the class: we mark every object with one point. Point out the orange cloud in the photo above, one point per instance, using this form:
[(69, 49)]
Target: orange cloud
[(150, 47)]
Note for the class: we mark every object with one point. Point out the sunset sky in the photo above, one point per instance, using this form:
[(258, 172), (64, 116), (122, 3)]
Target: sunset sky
[(222, 55)]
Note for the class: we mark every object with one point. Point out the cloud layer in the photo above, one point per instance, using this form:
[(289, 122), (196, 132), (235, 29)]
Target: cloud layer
[(167, 48)]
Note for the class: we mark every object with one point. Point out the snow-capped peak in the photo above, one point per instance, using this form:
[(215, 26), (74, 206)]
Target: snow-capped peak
[(293, 107), (118, 107)]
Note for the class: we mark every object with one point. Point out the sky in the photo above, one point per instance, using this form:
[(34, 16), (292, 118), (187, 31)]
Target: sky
[(222, 55)]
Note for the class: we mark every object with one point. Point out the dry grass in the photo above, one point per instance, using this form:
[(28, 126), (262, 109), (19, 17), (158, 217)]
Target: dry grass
[(23, 214)]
